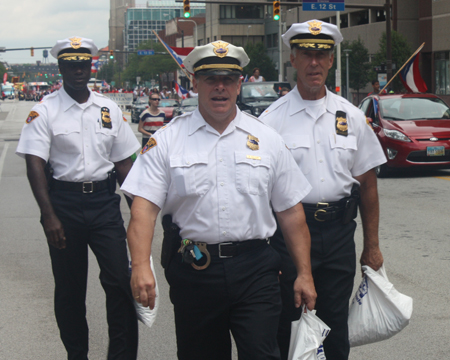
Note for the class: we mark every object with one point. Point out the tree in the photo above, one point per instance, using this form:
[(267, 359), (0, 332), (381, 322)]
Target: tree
[(259, 58), (359, 74), (2, 71), (401, 51)]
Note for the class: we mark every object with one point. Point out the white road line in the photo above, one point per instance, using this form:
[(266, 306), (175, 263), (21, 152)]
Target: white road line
[(2, 159)]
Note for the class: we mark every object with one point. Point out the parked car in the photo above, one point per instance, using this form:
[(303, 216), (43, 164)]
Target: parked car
[(168, 106), (413, 129), (255, 97), (186, 105), (138, 106)]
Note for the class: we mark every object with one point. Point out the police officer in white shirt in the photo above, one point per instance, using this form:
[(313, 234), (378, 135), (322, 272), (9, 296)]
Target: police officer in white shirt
[(82, 137), (219, 172), (337, 151)]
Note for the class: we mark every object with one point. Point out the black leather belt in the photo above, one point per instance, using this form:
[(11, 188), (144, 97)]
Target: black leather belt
[(324, 212), (86, 187), (232, 249)]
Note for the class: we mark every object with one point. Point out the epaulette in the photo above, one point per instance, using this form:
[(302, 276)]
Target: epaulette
[(275, 105), (174, 120)]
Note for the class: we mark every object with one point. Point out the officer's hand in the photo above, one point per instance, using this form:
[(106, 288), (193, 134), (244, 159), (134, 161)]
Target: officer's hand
[(143, 285), (372, 257), (305, 292), (54, 232)]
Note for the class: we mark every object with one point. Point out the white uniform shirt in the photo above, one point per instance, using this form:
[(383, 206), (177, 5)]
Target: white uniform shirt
[(71, 136), (215, 187), (328, 160)]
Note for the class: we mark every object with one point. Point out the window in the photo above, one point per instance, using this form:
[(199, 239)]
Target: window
[(442, 73), (241, 11)]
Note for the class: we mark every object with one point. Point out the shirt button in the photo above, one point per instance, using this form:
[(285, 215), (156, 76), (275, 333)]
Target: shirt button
[(188, 163), (294, 144), (223, 208), (318, 141), (221, 184), (224, 233), (322, 179), (221, 160), (321, 161)]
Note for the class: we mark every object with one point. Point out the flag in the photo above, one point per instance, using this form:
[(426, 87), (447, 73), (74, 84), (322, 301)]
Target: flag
[(246, 78), (178, 53), (181, 91), (95, 64), (410, 76)]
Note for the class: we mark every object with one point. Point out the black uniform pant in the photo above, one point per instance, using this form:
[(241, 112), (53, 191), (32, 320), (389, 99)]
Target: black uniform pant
[(239, 294), (93, 220), (333, 262)]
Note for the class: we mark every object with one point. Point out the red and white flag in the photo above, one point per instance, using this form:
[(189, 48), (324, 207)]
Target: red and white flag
[(181, 91), (95, 64), (411, 78)]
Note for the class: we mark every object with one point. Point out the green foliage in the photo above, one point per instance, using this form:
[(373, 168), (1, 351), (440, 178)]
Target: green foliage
[(401, 51), (359, 74), (2, 71), (259, 58)]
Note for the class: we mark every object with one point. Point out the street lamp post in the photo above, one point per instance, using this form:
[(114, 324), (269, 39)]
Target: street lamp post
[(196, 39), (348, 83)]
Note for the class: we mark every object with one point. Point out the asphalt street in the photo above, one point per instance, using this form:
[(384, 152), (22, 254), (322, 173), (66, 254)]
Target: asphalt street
[(414, 236)]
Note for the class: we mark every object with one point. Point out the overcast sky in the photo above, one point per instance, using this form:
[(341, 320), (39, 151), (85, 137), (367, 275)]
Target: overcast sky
[(39, 23)]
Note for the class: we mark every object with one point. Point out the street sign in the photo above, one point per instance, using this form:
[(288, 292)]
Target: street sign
[(146, 52), (323, 5)]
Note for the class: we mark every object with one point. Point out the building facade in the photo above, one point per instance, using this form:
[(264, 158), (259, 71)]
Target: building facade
[(117, 10)]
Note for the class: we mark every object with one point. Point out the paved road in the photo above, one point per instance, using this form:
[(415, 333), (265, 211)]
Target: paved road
[(414, 239)]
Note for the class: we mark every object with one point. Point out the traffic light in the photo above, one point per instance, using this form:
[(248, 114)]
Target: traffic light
[(32, 51), (276, 10), (111, 54), (186, 8)]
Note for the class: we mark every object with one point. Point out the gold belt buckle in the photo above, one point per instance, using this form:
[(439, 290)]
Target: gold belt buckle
[(204, 250), (320, 204)]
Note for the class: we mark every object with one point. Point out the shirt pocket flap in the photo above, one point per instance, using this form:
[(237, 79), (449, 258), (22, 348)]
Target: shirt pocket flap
[(188, 160), (343, 142), (65, 127), (258, 159), (297, 141)]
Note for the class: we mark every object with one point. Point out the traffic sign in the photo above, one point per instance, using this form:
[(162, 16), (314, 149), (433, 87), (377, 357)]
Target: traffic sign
[(146, 52), (323, 5)]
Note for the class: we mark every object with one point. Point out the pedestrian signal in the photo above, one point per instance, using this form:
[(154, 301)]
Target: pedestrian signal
[(111, 54), (186, 8), (276, 10)]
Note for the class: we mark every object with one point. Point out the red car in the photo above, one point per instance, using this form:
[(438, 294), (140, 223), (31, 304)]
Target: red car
[(413, 129), (168, 106)]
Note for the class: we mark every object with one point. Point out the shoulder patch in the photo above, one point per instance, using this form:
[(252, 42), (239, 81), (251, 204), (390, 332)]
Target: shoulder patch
[(33, 115), (150, 144), (124, 119)]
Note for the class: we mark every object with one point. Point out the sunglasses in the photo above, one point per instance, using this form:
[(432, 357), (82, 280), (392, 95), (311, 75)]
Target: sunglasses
[(155, 99)]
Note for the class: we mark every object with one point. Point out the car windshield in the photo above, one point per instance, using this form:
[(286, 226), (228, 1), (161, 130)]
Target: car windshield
[(414, 109), (190, 102), (168, 103), (141, 100), (258, 92)]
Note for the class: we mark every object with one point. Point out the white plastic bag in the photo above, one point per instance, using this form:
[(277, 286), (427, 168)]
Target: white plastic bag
[(144, 314), (307, 336), (378, 311)]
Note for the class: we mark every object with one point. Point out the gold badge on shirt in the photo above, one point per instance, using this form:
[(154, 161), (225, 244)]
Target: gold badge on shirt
[(253, 142), (106, 118), (33, 115), (151, 143), (341, 123)]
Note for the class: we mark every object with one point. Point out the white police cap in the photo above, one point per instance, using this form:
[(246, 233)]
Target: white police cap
[(216, 58), (74, 49), (313, 35)]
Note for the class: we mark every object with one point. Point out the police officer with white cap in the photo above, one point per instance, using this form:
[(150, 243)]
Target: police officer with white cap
[(219, 172), (337, 151), (86, 143)]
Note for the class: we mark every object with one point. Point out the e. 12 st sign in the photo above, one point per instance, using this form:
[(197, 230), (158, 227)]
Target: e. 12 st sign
[(323, 5)]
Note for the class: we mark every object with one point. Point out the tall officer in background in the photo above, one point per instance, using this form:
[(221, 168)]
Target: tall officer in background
[(217, 171), (337, 151), (83, 137)]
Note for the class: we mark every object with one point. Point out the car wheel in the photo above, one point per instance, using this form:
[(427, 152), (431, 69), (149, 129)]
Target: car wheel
[(382, 171)]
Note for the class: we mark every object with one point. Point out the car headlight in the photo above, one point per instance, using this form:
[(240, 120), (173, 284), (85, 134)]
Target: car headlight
[(396, 135), (257, 111)]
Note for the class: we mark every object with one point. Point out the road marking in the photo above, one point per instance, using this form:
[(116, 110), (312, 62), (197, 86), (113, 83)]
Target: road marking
[(443, 177), (2, 159)]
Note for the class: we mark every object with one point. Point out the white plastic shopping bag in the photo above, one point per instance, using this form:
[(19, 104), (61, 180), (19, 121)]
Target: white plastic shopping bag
[(378, 311), (307, 336), (144, 314)]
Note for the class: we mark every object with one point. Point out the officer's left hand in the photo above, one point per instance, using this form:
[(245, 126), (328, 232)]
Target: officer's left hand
[(372, 257), (305, 292), (143, 285)]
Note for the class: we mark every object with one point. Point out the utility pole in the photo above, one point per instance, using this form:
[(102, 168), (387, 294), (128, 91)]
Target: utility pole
[(388, 40)]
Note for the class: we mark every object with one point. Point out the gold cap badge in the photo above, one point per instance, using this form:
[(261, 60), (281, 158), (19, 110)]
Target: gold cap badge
[(315, 27), (220, 48), (75, 42)]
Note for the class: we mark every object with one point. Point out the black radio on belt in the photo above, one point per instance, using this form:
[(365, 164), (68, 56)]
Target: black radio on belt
[(351, 205), (112, 179), (171, 240)]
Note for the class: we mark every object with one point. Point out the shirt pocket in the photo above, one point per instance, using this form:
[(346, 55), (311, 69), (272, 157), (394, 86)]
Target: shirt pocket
[(299, 146), (189, 173), (252, 172), (343, 149), (105, 139), (66, 137)]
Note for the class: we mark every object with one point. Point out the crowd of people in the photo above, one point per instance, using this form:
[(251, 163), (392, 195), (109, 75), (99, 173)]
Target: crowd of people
[(258, 214)]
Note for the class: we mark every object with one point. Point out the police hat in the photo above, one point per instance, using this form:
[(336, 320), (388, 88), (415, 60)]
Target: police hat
[(313, 35), (216, 58), (74, 49)]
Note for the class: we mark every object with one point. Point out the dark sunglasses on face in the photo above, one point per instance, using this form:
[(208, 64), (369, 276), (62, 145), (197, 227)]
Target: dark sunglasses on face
[(155, 99)]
